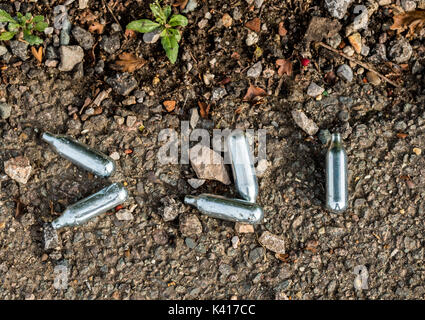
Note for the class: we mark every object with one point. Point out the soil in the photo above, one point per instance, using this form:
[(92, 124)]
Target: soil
[(149, 258)]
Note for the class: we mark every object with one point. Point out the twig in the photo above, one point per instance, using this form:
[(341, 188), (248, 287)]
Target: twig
[(113, 15), (279, 85), (364, 65)]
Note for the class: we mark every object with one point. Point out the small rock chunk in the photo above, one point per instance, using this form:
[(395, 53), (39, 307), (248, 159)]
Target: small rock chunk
[(272, 242), (190, 225), (19, 169), (304, 122), (208, 164), (70, 56)]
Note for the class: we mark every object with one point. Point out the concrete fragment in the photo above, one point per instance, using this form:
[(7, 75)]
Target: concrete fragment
[(272, 242), (208, 164), (19, 169), (304, 122)]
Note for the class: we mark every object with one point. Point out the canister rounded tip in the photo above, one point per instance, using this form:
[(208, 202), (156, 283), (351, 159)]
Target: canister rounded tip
[(190, 200), (109, 168), (47, 136), (122, 193), (258, 215)]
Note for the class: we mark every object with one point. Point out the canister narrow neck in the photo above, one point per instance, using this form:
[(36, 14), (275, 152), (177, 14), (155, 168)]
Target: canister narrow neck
[(190, 200), (48, 137), (336, 138)]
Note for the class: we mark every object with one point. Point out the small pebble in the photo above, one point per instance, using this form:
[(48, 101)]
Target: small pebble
[(373, 78)]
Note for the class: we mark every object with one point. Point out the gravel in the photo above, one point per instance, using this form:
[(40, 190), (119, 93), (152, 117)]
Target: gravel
[(400, 51), (83, 37), (345, 72), (19, 49), (70, 57), (255, 70), (5, 110), (338, 8)]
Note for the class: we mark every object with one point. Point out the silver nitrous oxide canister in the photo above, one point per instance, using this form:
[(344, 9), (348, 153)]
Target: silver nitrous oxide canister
[(92, 206), (242, 165), (227, 209), (336, 176), (80, 154)]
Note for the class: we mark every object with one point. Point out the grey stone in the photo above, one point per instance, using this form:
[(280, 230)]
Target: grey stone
[(345, 72), (400, 51), (365, 50), (70, 56), (124, 215), (255, 70), (218, 93), (304, 122), (3, 50), (334, 41), (49, 30), (314, 90), (5, 110), (151, 37), (338, 8), (110, 44), (190, 225), (251, 39), (256, 254), (196, 183), (122, 83), (208, 164), (83, 37), (191, 6), (160, 237), (272, 242), (19, 169), (50, 237), (348, 50), (19, 49), (190, 243), (408, 5), (66, 29), (343, 115)]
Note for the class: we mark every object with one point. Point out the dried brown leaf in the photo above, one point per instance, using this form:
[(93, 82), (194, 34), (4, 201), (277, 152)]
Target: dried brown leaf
[(282, 31), (38, 54), (285, 67), (128, 62), (170, 105), (180, 3), (414, 20), (96, 27), (204, 109), (254, 24), (254, 92)]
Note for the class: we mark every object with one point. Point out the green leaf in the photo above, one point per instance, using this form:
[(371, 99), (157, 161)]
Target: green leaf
[(32, 39), (21, 19), (5, 17), (143, 25), (158, 13), (40, 26), (28, 16), (175, 33), (7, 35), (38, 19), (167, 12), (171, 47), (13, 27), (178, 20)]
